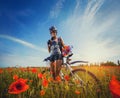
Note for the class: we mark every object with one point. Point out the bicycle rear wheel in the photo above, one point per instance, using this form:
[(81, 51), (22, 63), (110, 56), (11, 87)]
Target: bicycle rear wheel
[(87, 82)]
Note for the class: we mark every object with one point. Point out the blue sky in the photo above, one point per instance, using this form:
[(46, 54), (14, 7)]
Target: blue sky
[(91, 26)]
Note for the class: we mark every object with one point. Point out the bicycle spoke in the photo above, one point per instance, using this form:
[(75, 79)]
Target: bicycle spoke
[(86, 80)]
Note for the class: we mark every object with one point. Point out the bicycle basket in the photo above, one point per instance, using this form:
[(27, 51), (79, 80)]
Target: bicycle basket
[(67, 50)]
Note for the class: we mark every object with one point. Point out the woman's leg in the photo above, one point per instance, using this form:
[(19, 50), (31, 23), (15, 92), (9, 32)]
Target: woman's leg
[(53, 69), (58, 66)]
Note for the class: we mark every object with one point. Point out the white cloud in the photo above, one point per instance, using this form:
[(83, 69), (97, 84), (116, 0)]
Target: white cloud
[(56, 9), (77, 7), (84, 32), (30, 45)]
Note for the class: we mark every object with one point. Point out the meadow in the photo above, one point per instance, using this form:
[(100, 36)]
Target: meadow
[(31, 83)]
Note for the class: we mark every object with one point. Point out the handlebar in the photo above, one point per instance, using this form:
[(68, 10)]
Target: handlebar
[(46, 59), (69, 55)]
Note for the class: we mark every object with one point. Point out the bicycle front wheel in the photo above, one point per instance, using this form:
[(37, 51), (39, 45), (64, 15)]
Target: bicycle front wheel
[(87, 82)]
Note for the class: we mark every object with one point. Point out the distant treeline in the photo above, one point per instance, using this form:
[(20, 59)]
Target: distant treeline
[(107, 63)]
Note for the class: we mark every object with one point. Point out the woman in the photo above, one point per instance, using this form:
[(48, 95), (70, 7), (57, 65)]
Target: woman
[(55, 45)]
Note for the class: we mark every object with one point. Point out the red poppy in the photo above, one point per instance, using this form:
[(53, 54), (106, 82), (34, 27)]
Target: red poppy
[(114, 87), (42, 92), (18, 86), (34, 70), (22, 69), (44, 76), (67, 78), (31, 81), (1, 71), (50, 79), (9, 70), (58, 79), (45, 83), (77, 92), (40, 75), (15, 77), (77, 81)]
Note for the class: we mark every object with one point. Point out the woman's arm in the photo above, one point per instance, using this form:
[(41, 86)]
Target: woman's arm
[(48, 44), (49, 49), (62, 42)]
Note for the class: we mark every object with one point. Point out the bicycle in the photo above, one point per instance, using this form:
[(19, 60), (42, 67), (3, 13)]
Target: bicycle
[(85, 79)]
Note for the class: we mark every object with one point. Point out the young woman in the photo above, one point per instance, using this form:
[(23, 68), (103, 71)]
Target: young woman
[(55, 45)]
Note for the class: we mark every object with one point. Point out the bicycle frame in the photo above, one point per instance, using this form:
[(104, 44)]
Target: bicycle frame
[(68, 67)]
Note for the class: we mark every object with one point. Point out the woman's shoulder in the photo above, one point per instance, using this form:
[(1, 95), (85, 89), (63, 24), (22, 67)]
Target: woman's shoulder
[(60, 38)]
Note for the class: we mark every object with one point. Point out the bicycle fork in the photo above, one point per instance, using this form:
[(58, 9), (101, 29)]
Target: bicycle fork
[(75, 76)]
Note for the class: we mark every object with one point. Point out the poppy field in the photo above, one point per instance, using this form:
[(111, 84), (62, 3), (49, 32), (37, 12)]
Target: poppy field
[(32, 83)]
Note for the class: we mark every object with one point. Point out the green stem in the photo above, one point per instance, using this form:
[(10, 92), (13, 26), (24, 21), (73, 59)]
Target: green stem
[(19, 96)]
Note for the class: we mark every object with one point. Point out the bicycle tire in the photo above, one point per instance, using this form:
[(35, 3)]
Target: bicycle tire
[(95, 86)]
